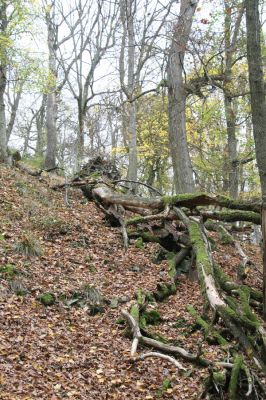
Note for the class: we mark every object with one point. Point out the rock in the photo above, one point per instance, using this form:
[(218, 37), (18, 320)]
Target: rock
[(135, 268), (123, 299), (114, 303)]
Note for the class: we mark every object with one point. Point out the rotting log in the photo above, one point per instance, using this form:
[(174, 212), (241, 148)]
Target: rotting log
[(232, 216), (109, 196)]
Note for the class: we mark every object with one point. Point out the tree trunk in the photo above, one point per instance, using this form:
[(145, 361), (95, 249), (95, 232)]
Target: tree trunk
[(132, 125), (183, 173), (230, 110), (258, 110), (14, 109), (3, 70), (40, 126), (80, 138), (3, 139), (51, 111)]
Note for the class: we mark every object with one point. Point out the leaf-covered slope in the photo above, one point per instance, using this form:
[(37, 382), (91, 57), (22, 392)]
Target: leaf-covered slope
[(62, 351)]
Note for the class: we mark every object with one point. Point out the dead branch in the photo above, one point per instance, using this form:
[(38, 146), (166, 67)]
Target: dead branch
[(160, 355)]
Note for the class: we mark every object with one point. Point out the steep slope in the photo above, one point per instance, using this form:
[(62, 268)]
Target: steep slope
[(62, 351)]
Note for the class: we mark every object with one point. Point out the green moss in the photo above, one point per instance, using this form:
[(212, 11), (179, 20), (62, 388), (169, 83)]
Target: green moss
[(227, 285), (134, 312), (227, 202), (148, 237), (210, 225), (243, 294), (172, 288), (237, 215), (95, 175), (150, 297), (219, 377), (140, 297), (152, 317), (180, 198), (139, 243), (208, 329), (200, 248), (238, 362), (47, 299), (171, 263), (225, 237), (134, 221), (142, 322), (120, 321), (164, 291)]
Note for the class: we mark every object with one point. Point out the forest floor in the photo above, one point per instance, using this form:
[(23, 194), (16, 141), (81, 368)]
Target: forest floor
[(61, 351)]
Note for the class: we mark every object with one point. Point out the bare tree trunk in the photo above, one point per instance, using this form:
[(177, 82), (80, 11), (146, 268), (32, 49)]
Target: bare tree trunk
[(230, 110), (14, 109), (51, 110), (258, 110), (183, 173), (80, 136), (40, 117), (132, 126), (3, 138)]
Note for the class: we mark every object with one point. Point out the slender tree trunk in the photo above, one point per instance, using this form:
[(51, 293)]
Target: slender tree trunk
[(3, 138), (3, 70), (183, 173), (232, 146), (132, 125), (258, 110), (40, 126), (229, 106), (80, 138), (51, 110), (14, 110)]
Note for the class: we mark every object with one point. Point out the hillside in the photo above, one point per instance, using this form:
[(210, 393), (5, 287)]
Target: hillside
[(66, 349)]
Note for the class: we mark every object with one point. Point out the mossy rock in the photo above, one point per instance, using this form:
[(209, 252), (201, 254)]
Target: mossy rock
[(159, 255), (47, 299)]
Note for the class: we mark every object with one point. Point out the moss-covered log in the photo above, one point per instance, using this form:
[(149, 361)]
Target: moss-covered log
[(108, 196), (232, 216)]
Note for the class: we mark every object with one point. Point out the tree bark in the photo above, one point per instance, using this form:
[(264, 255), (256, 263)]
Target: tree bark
[(258, 110), (182, 167), (3, 71), (51, 111), (230, 109)]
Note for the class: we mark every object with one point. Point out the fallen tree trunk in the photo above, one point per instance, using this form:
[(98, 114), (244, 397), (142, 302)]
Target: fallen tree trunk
[(232, 216), (109, 196)]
